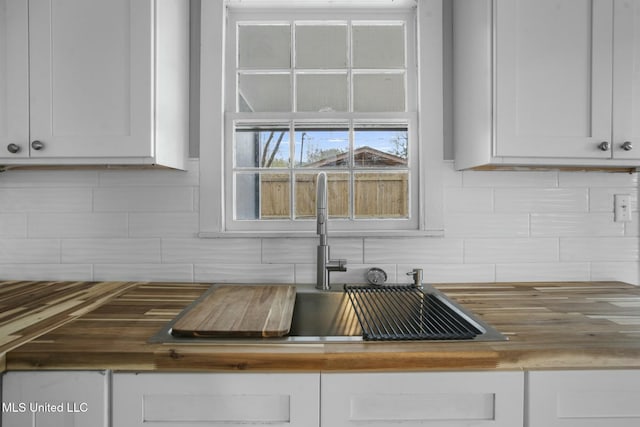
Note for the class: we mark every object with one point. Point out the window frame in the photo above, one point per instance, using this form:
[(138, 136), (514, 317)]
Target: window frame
[(424, 125)]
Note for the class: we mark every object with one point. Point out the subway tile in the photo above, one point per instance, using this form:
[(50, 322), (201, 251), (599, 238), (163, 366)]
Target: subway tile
[(631, 227), (212, 251), (541, 200), (419, 250), (38, 271), (245, 273), (597, 179), (143, 199), (601, 199), (303, 250), (619, 271), (541, 272), (154, 177), (468, 200), (599, 249), (48, 178), (486, 225), (164, 224), (144, 272), (13, 225), (29, 251), (521, 179), (74, 225), (482, 251), (111, 251), (575, 224), (450, 273), (290, 250), (45, 200)]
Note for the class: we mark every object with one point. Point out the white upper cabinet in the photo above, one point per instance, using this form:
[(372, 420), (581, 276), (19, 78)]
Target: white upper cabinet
[(102, 82), (546, 82), (14, 78)]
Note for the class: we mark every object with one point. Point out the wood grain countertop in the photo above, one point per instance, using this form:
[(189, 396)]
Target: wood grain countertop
[(563, 325)]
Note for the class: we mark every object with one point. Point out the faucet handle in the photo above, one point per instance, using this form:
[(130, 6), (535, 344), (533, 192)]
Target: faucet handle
[(417, 277)]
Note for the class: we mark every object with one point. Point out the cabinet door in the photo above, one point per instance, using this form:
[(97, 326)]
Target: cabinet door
[(224, 400), (91, 77), (440, 399), (553, 78), (14, 79), (626, 80), (55, 399), (584, 399)]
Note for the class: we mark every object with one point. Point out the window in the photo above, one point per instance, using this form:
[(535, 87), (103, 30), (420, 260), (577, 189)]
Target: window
[(329, 90)]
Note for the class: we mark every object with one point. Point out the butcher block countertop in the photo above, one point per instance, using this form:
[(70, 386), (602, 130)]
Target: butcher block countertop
[(563, 325)]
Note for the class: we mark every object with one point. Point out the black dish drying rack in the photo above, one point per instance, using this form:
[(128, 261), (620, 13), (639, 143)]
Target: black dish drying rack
[(405, 312)]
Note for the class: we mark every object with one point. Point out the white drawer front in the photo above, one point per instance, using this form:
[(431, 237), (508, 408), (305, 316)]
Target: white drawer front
[(584, 398), (494, 399), (225, 399)]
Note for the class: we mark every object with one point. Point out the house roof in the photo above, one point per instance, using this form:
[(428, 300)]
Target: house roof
[(363, 156)]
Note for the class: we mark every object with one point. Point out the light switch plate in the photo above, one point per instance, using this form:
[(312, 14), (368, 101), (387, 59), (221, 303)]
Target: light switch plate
[(622, 207)]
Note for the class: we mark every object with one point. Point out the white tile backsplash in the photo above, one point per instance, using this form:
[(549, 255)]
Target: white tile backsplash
[(110, 251), (468, 200), (598, 249), (45, 199), (575, 224), (541, 199), (518, 179), (601, 199), (13, 225), (29, 251), (143, 199), (218, 251), (143, 225), (466, 225), (597, 179), (482, 251), (73, 225), (435, 250), (152, 224)]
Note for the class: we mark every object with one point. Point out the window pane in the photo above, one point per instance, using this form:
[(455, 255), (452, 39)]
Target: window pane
[(337, 195), (247, 197), (322, 92), (321, 147), (264, 93), (275, 196), (262, 196), (262, 147), (378, 92), (381, 195), (321, 46), (380, 147), (378, 46), (264, 46)]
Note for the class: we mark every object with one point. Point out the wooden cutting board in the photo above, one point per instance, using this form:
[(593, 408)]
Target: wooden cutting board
[(239, 311)]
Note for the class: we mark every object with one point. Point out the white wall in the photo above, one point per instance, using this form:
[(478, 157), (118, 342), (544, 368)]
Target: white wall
[(142, 225)]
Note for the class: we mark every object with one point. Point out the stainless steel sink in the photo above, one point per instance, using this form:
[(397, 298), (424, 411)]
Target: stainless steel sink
[(329, 316)]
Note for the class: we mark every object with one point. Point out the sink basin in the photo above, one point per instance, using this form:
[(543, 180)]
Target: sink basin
[(329, 316)]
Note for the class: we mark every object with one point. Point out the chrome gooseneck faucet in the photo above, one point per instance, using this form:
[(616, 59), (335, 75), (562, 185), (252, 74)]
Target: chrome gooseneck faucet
[(324, 264)]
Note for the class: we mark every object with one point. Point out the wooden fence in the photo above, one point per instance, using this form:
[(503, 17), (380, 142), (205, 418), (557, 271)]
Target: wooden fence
[(377, 195)]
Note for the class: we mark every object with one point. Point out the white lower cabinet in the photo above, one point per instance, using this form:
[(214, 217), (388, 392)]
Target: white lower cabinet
[(438, 399), (584, 398), (220, 399), (55, 399)]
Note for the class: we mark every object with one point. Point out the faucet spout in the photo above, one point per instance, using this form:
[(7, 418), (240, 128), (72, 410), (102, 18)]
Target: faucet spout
[(324, 263)]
